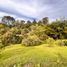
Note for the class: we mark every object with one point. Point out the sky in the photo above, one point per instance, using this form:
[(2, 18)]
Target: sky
[(33, 9)]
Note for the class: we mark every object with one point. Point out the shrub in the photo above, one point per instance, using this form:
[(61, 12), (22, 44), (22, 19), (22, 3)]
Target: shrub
[(27, 42), (1, 45), (65, 43), (11, 37), (61, 43), (50, 42), (42, 36), (30, 41)]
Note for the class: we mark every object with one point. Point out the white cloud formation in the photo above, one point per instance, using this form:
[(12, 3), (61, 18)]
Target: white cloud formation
[(33, 9)]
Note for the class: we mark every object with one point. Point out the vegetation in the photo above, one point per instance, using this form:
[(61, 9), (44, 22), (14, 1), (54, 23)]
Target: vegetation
[(33, 43), (36, 56), (31, 33)]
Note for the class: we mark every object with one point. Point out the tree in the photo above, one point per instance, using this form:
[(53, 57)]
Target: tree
[(8, 20), (40, 22), (19, 24), (22, 22), (28, 24), (45, 20), (11, 37), (34, 22)]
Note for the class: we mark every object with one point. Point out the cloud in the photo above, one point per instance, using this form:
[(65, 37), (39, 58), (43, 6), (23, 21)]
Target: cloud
[(34, 9), (17, 9)]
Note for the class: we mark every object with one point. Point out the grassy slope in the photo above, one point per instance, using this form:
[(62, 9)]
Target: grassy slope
[(37, 56)]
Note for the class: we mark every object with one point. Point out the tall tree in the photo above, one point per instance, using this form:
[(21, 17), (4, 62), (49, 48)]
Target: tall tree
[(40, 22), (8, 20), (34, 22), (22, 22), (28, 23), (45, 20)]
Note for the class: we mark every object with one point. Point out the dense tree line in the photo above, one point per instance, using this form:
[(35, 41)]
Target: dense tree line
[(31, 32)]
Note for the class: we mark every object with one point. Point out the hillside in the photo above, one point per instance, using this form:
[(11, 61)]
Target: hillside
[(37, 56), (33, 43)]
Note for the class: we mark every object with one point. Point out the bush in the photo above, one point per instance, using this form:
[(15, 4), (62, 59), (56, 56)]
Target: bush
[(1, 45), (61, 42), (42, 36), (27, 42), (11, 37), (65, 43), (50, 42), (30, 41)]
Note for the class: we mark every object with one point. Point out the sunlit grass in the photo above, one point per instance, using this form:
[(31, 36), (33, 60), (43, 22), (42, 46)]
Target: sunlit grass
[(36, 56)]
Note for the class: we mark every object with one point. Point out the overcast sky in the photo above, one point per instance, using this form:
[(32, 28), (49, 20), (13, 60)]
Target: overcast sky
[(34, 9)]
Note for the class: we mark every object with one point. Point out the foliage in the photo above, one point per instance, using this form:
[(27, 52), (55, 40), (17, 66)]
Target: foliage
[(45, 20), (1, 45), (31, 41), (14, 32), (61, 42), (8, 20), (11, 37), (65, 43), (50, 42)]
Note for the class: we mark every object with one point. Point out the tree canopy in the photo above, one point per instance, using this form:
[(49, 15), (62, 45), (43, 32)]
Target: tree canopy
[(31, 32)]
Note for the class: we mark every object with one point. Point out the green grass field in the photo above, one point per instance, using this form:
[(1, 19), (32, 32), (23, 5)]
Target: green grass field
[(36, 56)]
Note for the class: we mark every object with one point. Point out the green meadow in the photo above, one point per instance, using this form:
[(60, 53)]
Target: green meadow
[(36, 56)]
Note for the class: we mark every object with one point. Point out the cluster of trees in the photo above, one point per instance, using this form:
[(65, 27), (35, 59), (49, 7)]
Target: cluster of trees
[(31, 32)]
